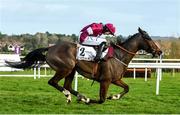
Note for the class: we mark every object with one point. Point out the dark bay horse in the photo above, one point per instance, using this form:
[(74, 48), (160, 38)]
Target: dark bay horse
[(62, 58)]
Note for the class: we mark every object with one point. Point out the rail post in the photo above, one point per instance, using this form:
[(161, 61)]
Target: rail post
[(134, 73), (34, 72), (145, 74), (76, 81), (39, 69)]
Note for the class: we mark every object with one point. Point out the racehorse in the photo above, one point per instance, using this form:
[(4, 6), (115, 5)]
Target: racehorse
[(62, 58)]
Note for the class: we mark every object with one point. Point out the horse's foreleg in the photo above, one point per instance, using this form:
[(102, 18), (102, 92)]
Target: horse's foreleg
[(104, 85), (54, 82), (123, 85)]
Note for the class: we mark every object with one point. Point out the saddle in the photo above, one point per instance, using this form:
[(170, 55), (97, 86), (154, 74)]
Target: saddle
[(88, 52)]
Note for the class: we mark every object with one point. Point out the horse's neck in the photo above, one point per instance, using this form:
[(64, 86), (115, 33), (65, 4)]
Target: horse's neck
[(132, 46)]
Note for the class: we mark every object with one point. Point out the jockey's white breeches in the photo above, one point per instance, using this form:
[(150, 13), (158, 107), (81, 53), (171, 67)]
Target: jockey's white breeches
[(89, 40)]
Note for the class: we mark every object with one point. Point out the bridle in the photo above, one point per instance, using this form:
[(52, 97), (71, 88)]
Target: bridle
[(152, 42), (129, 52)]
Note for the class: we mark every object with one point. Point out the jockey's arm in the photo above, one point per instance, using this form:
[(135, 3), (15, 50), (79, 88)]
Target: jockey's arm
[(89, 31), (86, 33)]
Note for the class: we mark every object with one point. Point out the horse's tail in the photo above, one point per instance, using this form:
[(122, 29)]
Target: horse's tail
[(30, 59)]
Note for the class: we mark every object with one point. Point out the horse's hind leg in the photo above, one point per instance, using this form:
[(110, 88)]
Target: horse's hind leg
[(68, 85), (68, 82), (123, 85), (54, 82)]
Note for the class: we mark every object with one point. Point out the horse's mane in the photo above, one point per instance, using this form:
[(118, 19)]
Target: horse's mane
[(129, 38), (119, 44)]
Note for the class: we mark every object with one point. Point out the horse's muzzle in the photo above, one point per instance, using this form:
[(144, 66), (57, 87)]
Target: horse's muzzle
[(156, 53)]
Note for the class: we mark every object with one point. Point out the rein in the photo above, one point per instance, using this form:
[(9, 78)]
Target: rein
[(129, 52), (120, 61)]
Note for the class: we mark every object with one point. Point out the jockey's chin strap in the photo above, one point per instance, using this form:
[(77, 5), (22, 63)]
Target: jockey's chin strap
[(129, 52)]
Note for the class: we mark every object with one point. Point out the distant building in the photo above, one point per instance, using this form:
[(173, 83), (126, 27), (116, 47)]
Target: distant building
[(16, 48)]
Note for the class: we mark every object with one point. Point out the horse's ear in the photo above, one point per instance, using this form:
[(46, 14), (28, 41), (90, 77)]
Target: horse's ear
[(140, 30)]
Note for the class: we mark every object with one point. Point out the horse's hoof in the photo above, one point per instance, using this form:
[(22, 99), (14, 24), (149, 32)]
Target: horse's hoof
[(110, 97), (81, 98), (68, 101), (114, 97), (78, 100), (88, 103)]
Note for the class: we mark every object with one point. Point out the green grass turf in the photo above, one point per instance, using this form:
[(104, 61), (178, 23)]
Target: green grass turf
[(20, 95)]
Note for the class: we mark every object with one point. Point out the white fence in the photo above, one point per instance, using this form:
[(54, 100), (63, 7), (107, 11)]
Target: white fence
[(158, 66), (154, 63)]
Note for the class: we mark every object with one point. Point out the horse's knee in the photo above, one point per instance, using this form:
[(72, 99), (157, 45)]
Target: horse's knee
[(126, 89), (51, 82)]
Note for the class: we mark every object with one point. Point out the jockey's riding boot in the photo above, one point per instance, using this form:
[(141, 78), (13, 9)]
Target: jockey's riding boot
[(99, 52)]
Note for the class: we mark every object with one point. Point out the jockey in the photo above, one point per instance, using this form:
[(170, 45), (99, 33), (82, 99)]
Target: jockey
[(91, 35)]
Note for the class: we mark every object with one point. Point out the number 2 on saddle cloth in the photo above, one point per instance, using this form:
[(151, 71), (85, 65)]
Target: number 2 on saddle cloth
[(88, 53)]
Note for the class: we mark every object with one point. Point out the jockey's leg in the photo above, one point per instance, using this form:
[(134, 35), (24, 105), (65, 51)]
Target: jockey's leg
[(96, 41), (99, 52)]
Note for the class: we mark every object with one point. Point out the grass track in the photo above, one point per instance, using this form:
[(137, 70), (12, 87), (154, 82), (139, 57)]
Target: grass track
[(28, 96)]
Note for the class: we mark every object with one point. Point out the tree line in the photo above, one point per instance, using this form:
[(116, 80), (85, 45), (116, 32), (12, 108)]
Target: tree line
[(31, 42), (39, 40)]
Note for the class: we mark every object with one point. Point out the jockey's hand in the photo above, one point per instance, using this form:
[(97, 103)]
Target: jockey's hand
[(114, 35), (111, 42)]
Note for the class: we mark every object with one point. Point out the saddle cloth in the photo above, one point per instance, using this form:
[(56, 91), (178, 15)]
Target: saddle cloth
[(88, 53)]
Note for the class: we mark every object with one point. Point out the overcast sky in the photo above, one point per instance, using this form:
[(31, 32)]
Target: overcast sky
[(157, 17)]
